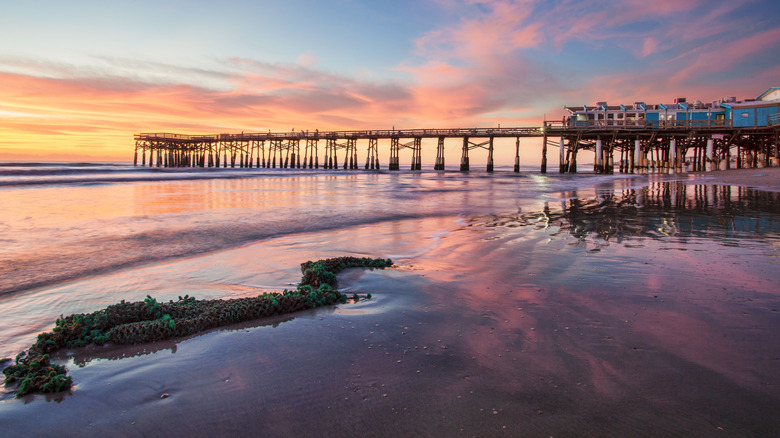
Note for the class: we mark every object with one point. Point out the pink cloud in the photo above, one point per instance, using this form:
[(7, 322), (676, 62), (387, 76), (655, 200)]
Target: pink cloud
[(649, 46), (495, 58), (508, 27), (725, 55), (651, 26), (675, 45)]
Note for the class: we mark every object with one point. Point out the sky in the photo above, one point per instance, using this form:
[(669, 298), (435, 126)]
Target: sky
[(78, 78)]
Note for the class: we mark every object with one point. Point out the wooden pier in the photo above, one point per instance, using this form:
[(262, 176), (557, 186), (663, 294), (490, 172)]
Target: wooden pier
[(658, 148)]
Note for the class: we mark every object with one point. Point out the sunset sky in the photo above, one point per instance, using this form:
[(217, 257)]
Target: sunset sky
[(78, 78)]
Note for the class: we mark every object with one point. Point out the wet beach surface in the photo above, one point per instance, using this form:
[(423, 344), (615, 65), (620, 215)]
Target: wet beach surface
[(620, 310)]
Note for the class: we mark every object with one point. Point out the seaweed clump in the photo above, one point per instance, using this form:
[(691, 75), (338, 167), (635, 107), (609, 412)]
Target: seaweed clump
[(150, 320)]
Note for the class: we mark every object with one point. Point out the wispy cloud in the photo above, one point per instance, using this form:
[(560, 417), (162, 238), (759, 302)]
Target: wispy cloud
[(499, 51)]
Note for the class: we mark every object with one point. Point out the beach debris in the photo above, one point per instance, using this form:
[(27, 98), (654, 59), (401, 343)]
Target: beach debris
[(150, 320), (35, 373)]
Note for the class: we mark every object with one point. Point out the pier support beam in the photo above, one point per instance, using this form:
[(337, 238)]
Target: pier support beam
[(710, 158), (544, 154), (332, 159), (562, 157), (354, 154), (672, 156), (308, 154), (777, 149), (372, 156), (517, 154), (316, 155), (573, 159), (350, 152), (490, 156), (417, 154), (439, 165), (637, 165), (464, 159), (327, 159), (598, 165), (394, 148)]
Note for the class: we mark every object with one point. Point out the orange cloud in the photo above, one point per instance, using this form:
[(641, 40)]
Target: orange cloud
[(496, 62)]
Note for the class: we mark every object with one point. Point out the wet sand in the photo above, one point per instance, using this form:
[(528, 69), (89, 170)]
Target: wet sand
[(767, 178), (482, 329)]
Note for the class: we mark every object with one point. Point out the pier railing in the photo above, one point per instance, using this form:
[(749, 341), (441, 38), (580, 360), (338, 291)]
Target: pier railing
[(355, 134), (639, 124), (446, 133)]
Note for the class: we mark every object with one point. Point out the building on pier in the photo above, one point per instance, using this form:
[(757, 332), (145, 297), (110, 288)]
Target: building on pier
[(761, 111), (668, 138), (681, 113)]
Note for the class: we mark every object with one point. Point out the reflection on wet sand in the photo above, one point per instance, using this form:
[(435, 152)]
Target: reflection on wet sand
[(83, 356), (623, 340), (657, 210)]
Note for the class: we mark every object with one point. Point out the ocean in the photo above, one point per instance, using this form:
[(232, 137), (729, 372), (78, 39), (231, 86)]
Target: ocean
[(585, 250), (63, 222)]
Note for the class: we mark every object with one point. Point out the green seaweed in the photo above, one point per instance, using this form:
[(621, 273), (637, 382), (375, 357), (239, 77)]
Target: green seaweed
[(150, 320), (36, 374)]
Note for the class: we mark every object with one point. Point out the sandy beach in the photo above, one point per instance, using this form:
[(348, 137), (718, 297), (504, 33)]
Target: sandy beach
[(527, 323), (767, 178)]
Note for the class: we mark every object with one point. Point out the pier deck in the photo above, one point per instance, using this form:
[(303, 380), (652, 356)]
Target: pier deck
[(658, 147)]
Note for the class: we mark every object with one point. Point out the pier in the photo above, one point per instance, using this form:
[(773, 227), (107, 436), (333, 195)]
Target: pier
[(660, 147), (315, 149)]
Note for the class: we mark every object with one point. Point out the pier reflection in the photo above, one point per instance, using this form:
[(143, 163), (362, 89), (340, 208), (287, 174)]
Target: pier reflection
[(662, 209)]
